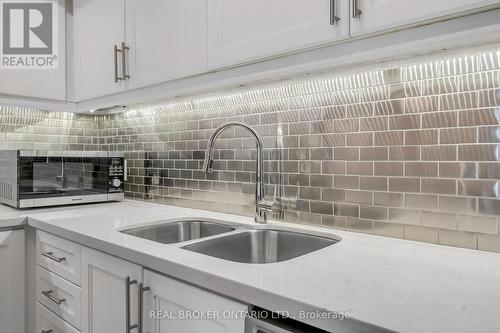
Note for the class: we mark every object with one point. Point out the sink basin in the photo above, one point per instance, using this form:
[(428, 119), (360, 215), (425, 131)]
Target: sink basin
[(261, 246), (175, 232)]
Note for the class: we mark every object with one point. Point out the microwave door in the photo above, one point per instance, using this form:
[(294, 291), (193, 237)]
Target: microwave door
[(84, 176), (40, 177)]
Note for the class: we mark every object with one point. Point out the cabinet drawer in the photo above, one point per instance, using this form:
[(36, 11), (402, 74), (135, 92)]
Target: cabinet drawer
[(60, 296), (59, 256), (46, 321)]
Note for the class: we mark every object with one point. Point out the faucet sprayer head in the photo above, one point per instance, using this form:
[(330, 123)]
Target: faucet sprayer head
[(208, 164)]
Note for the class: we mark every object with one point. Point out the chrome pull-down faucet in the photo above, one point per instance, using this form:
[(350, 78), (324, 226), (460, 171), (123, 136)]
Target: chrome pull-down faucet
[(262, 207)]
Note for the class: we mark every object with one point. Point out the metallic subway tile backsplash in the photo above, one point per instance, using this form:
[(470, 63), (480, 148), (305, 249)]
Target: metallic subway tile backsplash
[(410, 150), (26, 128)]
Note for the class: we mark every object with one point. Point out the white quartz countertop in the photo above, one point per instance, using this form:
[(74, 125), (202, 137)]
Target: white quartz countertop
[(11, 218), (395, 284)]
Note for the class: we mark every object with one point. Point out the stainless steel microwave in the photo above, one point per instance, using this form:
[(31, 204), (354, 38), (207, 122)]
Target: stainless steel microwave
[(30, 178)]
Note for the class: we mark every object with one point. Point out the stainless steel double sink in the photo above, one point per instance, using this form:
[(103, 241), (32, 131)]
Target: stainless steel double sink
[(179, 231), (235, 242)]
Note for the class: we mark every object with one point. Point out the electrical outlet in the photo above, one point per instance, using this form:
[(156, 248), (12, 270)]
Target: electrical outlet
[(156, 180)]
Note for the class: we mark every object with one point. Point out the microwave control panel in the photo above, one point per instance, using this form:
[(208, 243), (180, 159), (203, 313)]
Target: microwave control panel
[(116, 172)]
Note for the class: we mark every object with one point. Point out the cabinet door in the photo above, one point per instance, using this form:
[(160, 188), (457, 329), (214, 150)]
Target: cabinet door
[(40, 83), (104, 292), (97, 27), (12, 281), (169, 303), (167, 40), (241, 30), (379, 15)]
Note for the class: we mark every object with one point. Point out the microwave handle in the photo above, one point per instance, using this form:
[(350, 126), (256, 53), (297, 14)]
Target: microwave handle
[(125, 170)]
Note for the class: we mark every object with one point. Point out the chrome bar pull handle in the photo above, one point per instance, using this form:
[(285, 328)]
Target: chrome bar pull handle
[(142, 290), (128, 283), (125, 50), (125, 170), (333, 12), (48, 294), (116, 50), (356, 11), (51, 256)]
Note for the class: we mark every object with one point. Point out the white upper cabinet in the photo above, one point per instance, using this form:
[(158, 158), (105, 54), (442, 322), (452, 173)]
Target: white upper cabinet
[(98, 26), (167, 40), (374, 15), (40, 83), (121, 45), (241, 30), (126, 44)]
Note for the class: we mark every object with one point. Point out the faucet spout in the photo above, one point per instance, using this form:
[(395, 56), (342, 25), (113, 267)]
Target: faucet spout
[(207, 165), (260, 213)]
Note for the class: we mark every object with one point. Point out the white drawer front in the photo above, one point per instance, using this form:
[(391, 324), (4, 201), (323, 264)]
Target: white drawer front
[(60, 296), (59, 255), (46, 321)]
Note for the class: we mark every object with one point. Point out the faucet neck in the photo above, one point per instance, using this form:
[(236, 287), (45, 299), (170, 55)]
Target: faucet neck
[(260, 215)]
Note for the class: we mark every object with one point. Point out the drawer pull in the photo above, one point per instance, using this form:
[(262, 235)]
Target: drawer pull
[(125, 49), (51, 256), (47, 331), (115, 53), (128, 283), (48, 294), (356, 12), (142, 290), (334, 19)]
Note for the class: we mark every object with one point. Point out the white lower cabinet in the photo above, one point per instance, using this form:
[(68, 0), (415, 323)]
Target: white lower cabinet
[(109, 293), (60, 296), (59, 256), (173, 306), (12, 281), (46, 321), (114, 294)]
